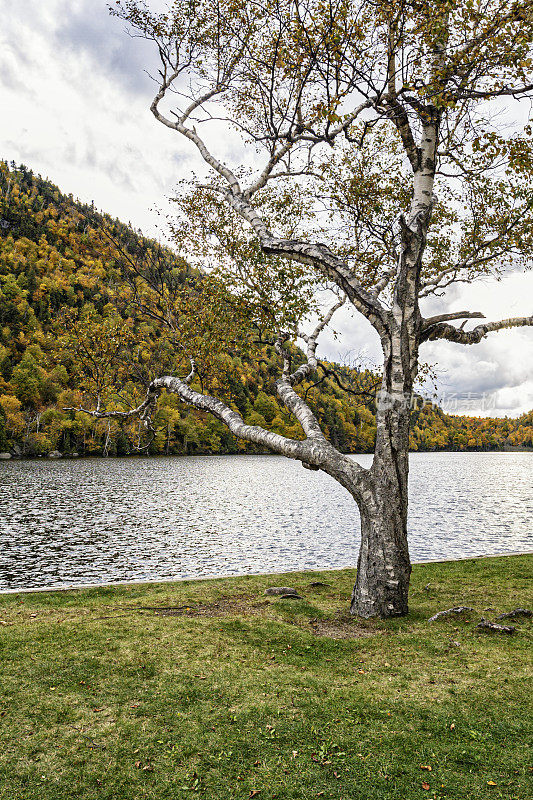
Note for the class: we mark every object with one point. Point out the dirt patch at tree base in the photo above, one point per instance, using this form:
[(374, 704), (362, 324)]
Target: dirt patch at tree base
[(220, 608), (341, 627)]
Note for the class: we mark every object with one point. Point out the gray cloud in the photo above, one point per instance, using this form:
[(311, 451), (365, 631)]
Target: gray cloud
[(25, 155), (10, 78), (491, 378), (90, 30), (475, 374)]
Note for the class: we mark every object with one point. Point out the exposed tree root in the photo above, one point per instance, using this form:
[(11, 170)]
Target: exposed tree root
[(492, 627), (517, 612), (450, 612)]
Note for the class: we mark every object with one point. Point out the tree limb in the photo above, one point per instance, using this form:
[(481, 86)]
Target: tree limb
[(311, 342), (446, 331), (430, 321), (284, 386), (314, 453), (317, 255)]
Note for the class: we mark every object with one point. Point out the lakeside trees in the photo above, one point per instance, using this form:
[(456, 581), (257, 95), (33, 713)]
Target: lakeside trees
[(60, 289), (70, 330), (369, 156)]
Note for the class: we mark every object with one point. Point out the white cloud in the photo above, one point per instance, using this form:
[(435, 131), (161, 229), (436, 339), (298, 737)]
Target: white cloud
[(75, 102), (494, 377), (77, 109)]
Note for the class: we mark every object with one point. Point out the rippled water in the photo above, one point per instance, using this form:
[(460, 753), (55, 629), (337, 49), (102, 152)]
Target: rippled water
[(97, 521)]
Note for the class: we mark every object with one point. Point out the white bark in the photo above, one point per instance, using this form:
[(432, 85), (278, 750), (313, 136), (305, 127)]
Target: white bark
[(442, 330)]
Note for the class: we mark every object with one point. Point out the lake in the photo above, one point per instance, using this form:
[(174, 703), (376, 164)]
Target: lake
[(103, 520)]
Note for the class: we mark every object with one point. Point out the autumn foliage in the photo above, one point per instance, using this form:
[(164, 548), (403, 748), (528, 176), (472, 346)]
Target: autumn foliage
[(72, 328)]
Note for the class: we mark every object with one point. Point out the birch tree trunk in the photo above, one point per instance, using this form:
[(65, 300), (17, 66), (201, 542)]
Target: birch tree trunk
[(384, 567)]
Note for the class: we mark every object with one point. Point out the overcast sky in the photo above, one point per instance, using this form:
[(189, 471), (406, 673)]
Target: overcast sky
[(74, 101)]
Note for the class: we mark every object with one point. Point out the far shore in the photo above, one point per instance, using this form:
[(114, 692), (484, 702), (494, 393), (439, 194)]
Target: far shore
[(77, 456)]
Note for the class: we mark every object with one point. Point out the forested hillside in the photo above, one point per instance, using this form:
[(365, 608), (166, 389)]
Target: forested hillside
[(68, 325)]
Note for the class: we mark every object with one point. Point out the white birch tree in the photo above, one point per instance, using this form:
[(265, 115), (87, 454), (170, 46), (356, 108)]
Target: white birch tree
[(392, 118)]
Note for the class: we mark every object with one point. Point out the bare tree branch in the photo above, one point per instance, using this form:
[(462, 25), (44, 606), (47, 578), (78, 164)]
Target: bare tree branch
[(313, 452), (445, 331), (284, 386), (430, 321)]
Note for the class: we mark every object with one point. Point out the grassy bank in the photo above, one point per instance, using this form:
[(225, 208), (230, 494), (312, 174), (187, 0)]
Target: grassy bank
[(234, 693)]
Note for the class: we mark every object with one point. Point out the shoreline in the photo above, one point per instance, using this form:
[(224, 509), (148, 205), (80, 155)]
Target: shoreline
[(194, 579), (129, 456)]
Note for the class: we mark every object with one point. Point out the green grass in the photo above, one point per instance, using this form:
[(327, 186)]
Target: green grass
[(102, 699)]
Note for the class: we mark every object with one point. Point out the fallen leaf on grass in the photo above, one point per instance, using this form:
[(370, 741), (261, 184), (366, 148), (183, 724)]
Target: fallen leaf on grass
[(254, 793), (491, 783), (425, 786), (425, 766), (145, 768)]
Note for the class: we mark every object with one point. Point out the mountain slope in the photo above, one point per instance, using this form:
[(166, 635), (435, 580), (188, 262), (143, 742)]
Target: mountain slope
[(62, 294)]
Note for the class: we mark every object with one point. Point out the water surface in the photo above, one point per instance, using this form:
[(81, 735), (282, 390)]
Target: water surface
[(103, 520)]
